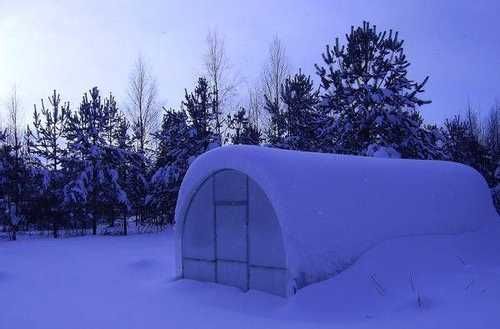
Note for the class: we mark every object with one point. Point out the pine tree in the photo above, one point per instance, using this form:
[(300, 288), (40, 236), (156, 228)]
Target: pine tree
[(46, 142), (174, 139), (492, 133), (463, 145), (495, 191), (15, 170), (122, 136), (132, 173), (198, 106), (4, 183), (242, 130), (3, 179), (93, 165), (301, 117), (276, 126), (112, 121), (16, 183), (176, 149), (372, 103), (184, 135), (492, 142), (48, 134)]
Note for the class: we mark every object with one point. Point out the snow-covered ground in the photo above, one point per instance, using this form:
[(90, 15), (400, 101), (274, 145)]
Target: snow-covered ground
[(127, 282)]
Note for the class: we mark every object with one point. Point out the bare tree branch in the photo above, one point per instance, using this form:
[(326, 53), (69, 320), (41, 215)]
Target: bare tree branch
[(219, 76), (255, 104), (143, 107), (275, 71), (14, 108)]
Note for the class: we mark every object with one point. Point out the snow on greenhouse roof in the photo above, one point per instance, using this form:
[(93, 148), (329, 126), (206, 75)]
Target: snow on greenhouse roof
[(332, 208)]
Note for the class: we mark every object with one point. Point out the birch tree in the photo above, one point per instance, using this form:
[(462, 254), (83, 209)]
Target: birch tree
[(143, 107)]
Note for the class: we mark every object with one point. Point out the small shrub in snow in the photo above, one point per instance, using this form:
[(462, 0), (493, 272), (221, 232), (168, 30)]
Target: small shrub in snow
[(380, 289), (415, 291)]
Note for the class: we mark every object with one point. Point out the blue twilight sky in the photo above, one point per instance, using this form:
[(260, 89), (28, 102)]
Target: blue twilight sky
[(74, 45)]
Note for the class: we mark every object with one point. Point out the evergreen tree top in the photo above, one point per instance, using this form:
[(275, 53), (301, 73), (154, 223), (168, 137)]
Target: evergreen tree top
[(369, 70)]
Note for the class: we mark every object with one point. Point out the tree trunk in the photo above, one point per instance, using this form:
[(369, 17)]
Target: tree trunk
[(54, 229), (94, 226), (125, 224)]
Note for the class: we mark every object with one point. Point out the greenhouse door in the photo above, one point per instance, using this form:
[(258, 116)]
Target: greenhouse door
[(232, 236), (231, 223), (232, 263)]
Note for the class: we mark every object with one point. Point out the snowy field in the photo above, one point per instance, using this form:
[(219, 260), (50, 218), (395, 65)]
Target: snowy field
[(127, 282)]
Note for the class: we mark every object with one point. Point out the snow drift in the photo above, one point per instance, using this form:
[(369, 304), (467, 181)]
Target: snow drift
[(333, 208), (127, 283)]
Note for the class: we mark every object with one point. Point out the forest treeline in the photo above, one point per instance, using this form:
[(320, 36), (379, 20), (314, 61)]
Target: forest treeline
[(92, 167)]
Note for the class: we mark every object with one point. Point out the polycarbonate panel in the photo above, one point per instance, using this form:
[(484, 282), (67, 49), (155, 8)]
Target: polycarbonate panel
[(273, 281), (231, 233), (265, 237), (215, 235), (198, 237), (232, 274), (199, 270), (230, 185)]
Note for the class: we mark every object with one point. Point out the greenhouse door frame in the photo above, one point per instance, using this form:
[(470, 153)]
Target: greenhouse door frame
[(231, 261)]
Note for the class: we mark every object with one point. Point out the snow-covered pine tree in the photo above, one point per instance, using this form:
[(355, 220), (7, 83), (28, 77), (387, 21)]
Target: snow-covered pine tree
[(173, 139), (93, 164), (184, 135), (132, 173), (16, 183), (175, 150), (15, 169), (463, 145), (242, 130), (495, 191), (492, 134), (46, 138), (129, 163), (276, 129), (4, 220), (492, 141), (303, 120), (374, 106), (112, 121), (198, 106), (46, 142), (122, 134)]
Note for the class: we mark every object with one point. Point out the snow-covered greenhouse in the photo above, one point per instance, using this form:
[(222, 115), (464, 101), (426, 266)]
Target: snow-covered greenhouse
[(275, 220)]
